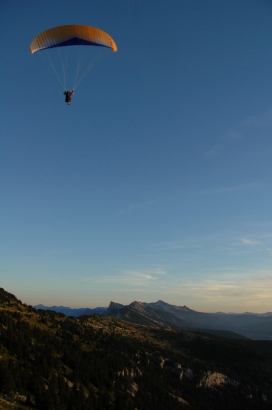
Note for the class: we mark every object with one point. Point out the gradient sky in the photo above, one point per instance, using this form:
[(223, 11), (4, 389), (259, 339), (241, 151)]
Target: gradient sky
[(156, 182)]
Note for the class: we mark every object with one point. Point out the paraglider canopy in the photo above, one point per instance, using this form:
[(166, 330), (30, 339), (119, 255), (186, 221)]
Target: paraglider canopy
[(59, 39), (71, 35)]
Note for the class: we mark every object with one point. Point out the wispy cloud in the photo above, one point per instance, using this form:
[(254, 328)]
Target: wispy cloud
[(250, 242), (228, 189), (244, 244), (137, 206), (64, 252), (235, 188), (214, 151), (233, 135), (255, 286), (235, 290), (132, 277), (219, 238), (183, 244), (224, 288), (263, 120), (253, 243), (260, 121), (240, 132)]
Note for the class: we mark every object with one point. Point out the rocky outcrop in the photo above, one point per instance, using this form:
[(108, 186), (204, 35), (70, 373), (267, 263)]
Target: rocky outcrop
[(214, 379), (174, 367), (179, 399)]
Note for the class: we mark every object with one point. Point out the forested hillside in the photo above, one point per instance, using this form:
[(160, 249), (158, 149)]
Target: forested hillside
[(52, 362)]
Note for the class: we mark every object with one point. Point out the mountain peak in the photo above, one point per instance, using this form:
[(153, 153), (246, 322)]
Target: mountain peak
[(136, 303), (114, 307)]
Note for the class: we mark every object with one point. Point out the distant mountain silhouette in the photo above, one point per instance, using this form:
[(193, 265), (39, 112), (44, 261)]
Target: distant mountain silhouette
[(73, 312), (250, 325), (160, 313)]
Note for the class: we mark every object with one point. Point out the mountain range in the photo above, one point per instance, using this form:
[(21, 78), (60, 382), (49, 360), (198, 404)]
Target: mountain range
[(73, 312), (253, 326), (250, 325)]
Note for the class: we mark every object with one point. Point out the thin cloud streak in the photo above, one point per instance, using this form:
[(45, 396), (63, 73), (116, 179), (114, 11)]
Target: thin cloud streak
[(226, 292), (221, 241), (132, 277), (263, 120), (227, 189), (214, 151), (236, 188), (137, 206), (250, 242), (226, 289), (240, 132)]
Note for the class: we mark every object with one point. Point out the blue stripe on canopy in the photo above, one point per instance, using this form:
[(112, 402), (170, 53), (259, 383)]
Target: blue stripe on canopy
[(75, 42)]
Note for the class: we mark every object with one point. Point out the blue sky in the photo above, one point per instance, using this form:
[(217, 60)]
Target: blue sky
[(156, 182)]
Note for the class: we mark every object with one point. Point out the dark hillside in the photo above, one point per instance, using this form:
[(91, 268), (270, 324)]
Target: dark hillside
[(53, 362)]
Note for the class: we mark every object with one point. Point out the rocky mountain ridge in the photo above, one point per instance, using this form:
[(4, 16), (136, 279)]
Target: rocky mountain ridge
[(160, 313)]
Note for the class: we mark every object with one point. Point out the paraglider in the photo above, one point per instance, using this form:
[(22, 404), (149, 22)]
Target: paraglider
[(61, 38), (68, 96)]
